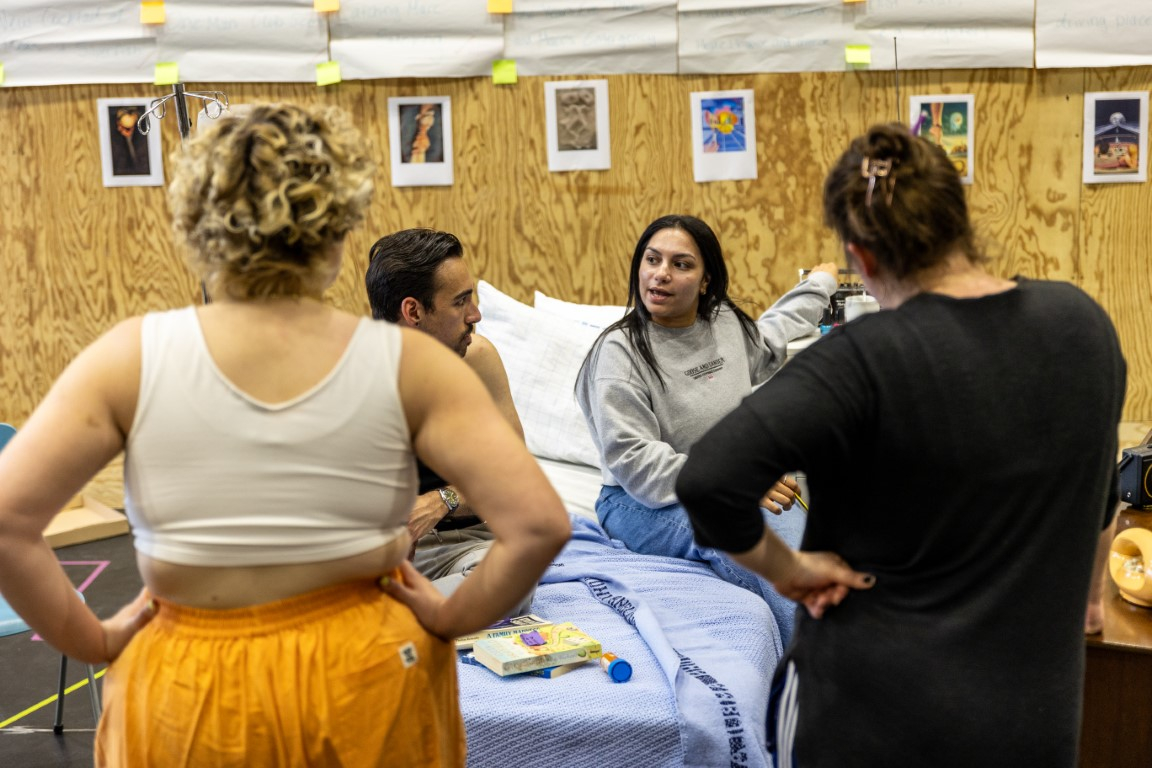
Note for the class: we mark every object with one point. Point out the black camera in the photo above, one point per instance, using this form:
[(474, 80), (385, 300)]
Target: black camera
[(850, 285), (1136, 476)]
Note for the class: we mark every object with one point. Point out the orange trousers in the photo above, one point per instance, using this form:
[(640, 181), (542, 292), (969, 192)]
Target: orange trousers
[(343, 676)]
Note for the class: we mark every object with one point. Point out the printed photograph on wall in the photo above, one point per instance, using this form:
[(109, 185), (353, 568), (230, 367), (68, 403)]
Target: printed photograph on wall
[(421, 133), (129, 157), (576, 117), (723, 125), (723, 135), (1115, 137), (948, 120), (420, 129)]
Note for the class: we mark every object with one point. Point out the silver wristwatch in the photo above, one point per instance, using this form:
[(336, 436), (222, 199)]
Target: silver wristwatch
[(451, 499)]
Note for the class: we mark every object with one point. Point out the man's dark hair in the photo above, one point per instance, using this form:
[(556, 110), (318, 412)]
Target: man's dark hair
[(404, 264)]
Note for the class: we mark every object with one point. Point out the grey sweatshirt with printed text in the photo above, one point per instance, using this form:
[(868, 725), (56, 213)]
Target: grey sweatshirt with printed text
[(643, 429)]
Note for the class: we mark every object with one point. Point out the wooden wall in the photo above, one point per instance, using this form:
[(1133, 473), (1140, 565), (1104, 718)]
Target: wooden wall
[(76, 257)]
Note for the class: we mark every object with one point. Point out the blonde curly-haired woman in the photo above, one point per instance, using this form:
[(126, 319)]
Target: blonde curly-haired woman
[(270, 466)]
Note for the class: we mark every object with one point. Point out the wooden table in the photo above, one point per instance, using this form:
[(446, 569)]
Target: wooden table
[(1117, 727)]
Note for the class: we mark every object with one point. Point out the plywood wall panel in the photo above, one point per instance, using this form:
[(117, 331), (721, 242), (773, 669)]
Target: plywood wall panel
[(78, 257), (1039, 193), (1116, 246)]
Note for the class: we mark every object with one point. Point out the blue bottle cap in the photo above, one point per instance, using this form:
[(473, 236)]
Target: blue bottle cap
[(619, 670)]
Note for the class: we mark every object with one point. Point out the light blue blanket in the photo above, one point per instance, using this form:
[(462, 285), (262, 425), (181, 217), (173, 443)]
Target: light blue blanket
[(702, 651)]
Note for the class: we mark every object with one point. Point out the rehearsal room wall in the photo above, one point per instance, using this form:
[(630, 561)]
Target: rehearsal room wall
[(76, 257)]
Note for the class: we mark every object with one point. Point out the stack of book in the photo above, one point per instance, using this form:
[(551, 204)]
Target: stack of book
[(540, 648), (510, 627)]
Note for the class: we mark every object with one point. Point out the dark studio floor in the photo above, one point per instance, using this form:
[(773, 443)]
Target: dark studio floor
[(29, 669), (106, 573)]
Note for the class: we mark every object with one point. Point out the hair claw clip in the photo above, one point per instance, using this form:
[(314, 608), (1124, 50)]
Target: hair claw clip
[(877, 169)]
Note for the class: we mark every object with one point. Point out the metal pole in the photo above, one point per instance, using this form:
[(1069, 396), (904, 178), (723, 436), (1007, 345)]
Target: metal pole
[(214, 101), (896, 69), (182, 122)]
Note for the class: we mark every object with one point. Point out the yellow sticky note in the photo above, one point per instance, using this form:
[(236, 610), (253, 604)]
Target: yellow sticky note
[(858, 54), (326, 6), (328, 73), (152, 12), (504, 71), (499, 6), (167, 73)]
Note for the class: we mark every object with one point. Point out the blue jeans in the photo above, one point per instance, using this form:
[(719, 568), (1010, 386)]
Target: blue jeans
[(667, 531)]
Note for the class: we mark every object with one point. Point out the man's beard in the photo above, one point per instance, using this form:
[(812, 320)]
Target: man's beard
[(462, 344)]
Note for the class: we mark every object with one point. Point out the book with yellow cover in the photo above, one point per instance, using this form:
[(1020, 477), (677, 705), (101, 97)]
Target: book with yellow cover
[(543, 647), (509, 627)]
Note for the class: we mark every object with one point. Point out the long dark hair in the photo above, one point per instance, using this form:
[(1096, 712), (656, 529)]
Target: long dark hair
[(636, 321)]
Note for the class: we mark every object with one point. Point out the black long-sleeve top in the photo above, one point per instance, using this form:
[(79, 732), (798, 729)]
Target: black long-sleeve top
[(963, 451)]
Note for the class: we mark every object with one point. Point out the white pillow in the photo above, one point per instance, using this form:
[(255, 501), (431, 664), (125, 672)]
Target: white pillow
[(542, 354), (596, 315), (577, 485)]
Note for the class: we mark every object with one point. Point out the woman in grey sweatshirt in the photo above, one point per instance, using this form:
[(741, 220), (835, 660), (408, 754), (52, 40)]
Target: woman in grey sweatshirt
[(680, 360)]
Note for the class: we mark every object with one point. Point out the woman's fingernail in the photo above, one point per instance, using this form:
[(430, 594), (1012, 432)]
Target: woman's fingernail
[(151, 606), (385, 581), (869, 579)]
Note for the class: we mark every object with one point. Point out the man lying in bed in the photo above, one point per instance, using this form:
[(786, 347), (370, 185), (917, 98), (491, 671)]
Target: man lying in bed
[(418, 278)]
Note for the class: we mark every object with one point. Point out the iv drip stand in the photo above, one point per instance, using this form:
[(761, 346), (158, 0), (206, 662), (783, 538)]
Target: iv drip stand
[(215, 104)]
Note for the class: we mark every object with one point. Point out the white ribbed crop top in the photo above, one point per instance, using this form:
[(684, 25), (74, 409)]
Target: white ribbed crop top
[(214, 477)]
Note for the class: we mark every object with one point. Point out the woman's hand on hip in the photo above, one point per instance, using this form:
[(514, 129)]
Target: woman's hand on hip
[(416, 591), (121, 628), (820, 580)]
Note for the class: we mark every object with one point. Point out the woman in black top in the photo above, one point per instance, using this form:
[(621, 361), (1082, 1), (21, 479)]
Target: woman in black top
[(956, 460)]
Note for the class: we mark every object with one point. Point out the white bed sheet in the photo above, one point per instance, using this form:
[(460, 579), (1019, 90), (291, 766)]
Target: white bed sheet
[(703, 654)]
